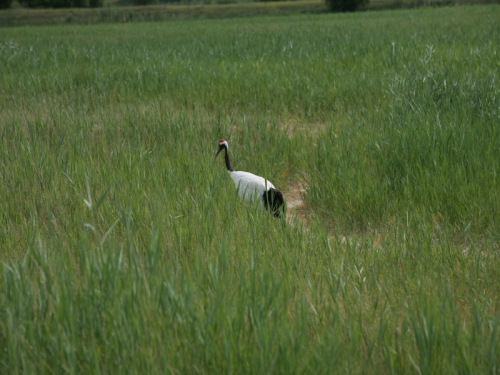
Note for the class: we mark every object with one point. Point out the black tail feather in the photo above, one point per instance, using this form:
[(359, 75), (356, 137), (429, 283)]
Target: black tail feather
[(274, 202)]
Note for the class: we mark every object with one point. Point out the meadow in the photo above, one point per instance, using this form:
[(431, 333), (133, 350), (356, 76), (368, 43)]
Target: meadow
[(125, 248)]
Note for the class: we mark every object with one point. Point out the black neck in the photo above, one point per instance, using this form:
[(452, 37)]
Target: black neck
[(228, 162)]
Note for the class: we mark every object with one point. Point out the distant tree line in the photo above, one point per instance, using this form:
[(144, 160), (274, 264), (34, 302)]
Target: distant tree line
[(346, 5), (4, 4), (62, 3), (333, 5)]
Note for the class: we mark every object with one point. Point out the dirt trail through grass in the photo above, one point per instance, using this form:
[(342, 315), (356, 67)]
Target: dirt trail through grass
[(296, 208)]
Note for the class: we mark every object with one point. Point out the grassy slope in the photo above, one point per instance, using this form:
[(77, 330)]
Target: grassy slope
[(125, 248)]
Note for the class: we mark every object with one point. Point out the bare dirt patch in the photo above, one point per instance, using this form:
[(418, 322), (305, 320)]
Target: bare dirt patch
[(297, 209)]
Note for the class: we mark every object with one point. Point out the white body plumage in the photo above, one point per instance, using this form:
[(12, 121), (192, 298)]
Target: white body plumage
[(250, 187)]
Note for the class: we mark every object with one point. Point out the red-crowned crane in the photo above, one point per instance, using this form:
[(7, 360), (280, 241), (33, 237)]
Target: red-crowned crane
[(252, 188)]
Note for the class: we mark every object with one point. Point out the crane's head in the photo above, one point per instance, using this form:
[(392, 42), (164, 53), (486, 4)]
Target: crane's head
[(222, 145)]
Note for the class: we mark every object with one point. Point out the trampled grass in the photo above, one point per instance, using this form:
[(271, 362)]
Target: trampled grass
[(124, 245)]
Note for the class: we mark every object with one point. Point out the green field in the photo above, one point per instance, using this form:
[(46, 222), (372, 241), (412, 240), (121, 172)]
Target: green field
[(125, 248)]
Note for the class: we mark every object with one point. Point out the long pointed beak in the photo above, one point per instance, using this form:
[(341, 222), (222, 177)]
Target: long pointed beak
[(218, 152)]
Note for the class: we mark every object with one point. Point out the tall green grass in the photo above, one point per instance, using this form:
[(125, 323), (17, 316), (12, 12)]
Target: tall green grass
[(125, 248)]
